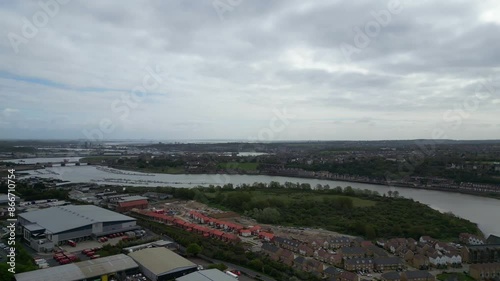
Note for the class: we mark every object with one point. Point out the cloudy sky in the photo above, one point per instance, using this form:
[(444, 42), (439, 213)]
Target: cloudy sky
[(250, 69)]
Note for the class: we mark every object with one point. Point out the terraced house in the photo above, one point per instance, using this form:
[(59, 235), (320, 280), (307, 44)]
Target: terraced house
[(388, 263), (353, 252), (485, 271), (356, 264), (486, 253)]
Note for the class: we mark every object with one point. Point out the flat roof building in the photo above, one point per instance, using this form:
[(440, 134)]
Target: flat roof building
[(130, 202), (206, 275), (160, 243), (161, 264), (85, 270), (45, 228)]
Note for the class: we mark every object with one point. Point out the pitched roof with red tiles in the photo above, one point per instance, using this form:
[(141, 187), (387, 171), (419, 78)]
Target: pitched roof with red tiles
[(266, 234)]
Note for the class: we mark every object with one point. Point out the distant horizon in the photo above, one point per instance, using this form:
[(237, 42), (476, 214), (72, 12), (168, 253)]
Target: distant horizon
[(235, 140), (254, 70)]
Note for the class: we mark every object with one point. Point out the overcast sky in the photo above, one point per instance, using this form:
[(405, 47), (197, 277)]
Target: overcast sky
[(250, 70)]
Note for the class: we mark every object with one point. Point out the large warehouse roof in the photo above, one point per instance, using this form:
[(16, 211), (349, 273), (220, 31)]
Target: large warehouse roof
[(80, 270), (132, 198), (206, 275), (160, 260), (101, 266), (63, 218)]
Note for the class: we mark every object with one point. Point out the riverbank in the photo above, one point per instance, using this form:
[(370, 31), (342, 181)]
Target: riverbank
[(342, 179), (479, 209)]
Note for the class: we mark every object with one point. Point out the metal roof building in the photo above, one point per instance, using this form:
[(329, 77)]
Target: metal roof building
[(206, 275), (63, 218), (84, 270), (61, 223), (160, 264)]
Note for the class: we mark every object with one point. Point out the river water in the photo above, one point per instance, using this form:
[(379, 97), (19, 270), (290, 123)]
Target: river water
[(483, 211), (42, 160)]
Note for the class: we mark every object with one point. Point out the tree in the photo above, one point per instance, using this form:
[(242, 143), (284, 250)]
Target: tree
[(338, 190), (39, 185), (370, 232), (348, 190), (389, 193), (268, 215), (256, 264), (219, 266), (193, 249), (396, 194), (200, 197)]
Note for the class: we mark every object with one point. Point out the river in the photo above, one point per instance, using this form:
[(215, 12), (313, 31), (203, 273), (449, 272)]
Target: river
[(481, 210), (42, 160)]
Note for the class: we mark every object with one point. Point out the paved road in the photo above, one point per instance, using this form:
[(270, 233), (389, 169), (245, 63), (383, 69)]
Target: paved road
[(245, 271)]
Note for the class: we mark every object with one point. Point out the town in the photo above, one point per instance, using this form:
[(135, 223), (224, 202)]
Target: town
[(455, 166), (222, 140), (130, 230)]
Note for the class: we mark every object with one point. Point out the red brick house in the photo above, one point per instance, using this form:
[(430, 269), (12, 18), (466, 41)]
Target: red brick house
[(348, 276), (266, 236), (356, 264), (322, 255), (306, 250), (287, 257)]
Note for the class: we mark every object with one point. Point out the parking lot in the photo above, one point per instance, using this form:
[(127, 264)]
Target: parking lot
[(77, 249)]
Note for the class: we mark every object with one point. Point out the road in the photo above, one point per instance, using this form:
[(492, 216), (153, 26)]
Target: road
[(245, 271)]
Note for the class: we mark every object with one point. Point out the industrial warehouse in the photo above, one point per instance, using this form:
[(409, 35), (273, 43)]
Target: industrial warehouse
[(207, 275), (161, 264), (46, 228), (98, 269)]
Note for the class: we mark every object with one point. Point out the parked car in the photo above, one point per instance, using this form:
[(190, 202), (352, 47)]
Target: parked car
[(64, 261)]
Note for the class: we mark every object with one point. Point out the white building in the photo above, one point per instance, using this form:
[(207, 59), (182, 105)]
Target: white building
[(45, 228)]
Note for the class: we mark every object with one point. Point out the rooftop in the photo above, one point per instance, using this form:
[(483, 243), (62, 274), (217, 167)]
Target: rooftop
[(80, 270), (270, 247), (359, 261), (353, 250), (63, 218), (206, 275), (493, 239), (417, 274), (132, 198), (388, 260), (160, 260), (392, 275), (132, 203)]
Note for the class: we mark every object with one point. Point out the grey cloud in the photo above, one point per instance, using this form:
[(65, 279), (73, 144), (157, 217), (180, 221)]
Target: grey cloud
[(264, 55)]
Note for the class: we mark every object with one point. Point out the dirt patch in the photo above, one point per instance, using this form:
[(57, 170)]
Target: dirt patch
[(225, 215)]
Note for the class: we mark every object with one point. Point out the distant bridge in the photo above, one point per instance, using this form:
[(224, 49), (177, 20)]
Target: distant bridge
[(62, 164)]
